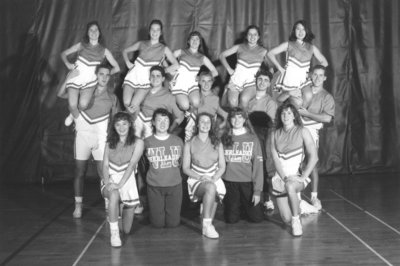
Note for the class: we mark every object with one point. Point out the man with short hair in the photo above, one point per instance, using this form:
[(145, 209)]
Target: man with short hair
[(91, 132), (321, 110)]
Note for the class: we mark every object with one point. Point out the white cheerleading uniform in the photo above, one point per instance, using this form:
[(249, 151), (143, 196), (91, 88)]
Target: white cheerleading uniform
[(185, 80), (149, 55), (204, 154), (297, 67), (290, 148), (248, 62), (89, 57), (119, 159)]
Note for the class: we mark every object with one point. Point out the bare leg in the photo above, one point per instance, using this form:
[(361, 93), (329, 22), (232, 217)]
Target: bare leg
[(85, 97), (138, 98), (314, 180), (128, 214), (284, 209), (194, 98), (307, 96), (99, 168), (207, 192), (224, 98), (73, 98), (128, 92), (245, 97), (233, 97), (182, 101), (80, 172), (292, 187)]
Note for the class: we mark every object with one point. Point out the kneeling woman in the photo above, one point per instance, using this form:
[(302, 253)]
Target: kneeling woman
[(123, 151), (204, 163), (244, 169), (289, 143), (164, 180)]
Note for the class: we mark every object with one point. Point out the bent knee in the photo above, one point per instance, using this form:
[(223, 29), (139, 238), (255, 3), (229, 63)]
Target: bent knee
[(184, 106)]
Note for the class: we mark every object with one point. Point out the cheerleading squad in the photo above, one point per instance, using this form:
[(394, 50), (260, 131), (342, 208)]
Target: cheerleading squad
[(254, 148)]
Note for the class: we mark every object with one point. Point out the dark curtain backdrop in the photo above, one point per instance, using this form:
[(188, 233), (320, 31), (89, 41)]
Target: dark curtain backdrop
[(359, 38)]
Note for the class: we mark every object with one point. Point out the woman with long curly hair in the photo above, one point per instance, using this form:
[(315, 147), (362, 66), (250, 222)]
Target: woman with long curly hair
[(289, 144), (204, 163), (121, 156)]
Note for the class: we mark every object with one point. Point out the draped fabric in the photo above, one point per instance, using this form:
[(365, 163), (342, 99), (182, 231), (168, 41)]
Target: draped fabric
[(360, 40)]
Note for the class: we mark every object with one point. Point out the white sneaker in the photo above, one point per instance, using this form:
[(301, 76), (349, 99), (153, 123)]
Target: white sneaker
[(297, 229), (316, 203), (139, 209), (115, 239), (269, 205), (209, 231), (78, 211), (306, 208), (69, 120)]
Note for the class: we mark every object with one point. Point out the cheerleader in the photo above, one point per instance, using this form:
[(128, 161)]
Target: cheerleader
[(294, 76), (184, 85), (289, 143), (151, 53), (82, 80), (204, 163), (122, 153), (250, 56)]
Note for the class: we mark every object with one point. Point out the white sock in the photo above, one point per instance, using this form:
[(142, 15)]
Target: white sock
[(296, 217), (78, 199), (314, 195), (206, 221), (299, 195), (114, 226)]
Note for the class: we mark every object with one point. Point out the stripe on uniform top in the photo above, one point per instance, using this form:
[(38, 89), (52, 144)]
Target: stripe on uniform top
[(93, 120), (291, 154), (113, 167), (146, 64), (300, 64), (248, 65), (189, 67), (87, 62), (205, 171)]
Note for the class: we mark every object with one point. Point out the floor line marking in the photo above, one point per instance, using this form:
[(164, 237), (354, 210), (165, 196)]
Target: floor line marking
[(367, 212), (359, 239), (89, 243), (33, 237)]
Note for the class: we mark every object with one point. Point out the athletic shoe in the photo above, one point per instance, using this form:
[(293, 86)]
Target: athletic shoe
[(78, 211), (69, 120), (115, 239), (269, 205), (297, 229), (139, 209), (316, 203), (209, 231), (306, 208)]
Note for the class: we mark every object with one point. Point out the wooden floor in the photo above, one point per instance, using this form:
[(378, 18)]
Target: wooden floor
[(359, 225)]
